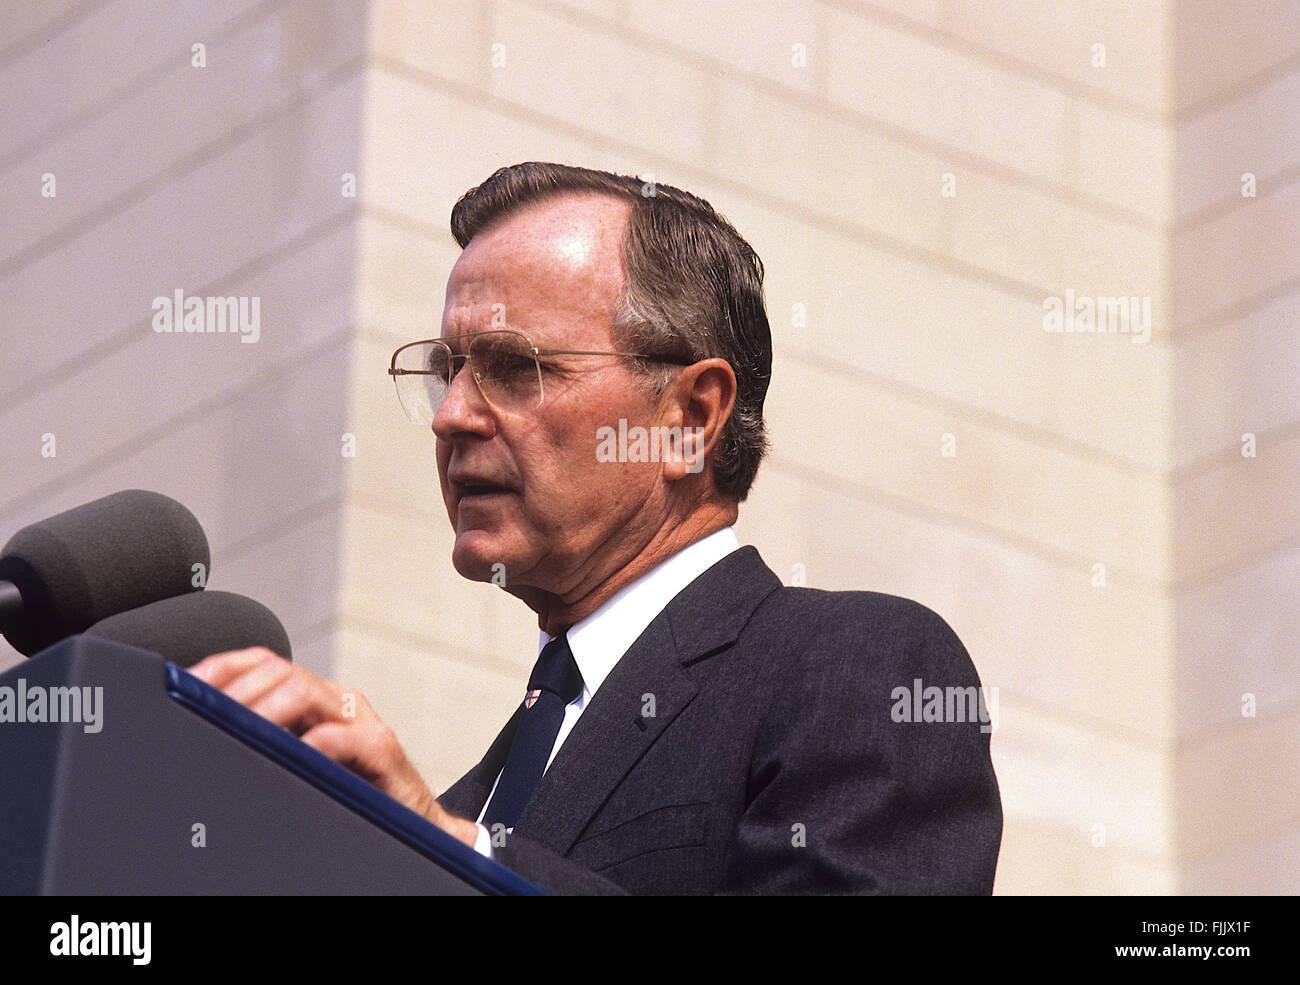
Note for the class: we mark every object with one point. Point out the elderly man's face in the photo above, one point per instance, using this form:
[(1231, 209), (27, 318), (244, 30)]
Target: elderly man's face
[(525, 489)]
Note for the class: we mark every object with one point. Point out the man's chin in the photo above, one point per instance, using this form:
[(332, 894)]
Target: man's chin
[(480, 556)]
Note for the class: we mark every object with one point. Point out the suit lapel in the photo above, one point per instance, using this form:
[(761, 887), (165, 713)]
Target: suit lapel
[(607, 740), (613, 734)]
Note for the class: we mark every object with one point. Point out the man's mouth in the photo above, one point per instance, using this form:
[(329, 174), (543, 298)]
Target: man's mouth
[(476, 490)]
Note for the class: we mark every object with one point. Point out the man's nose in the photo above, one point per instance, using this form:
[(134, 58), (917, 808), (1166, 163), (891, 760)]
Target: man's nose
[(463, 409)]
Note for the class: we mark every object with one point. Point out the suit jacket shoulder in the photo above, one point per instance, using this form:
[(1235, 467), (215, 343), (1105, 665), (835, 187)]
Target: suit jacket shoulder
[(885, 802)]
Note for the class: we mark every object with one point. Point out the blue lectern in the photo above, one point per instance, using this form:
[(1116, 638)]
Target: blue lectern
[(122, 774)]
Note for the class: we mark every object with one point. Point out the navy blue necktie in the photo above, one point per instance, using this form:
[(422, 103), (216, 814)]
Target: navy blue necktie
[(555, 682)]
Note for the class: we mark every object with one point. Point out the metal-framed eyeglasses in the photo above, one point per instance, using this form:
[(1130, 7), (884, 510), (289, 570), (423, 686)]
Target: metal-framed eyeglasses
[(505, 365)]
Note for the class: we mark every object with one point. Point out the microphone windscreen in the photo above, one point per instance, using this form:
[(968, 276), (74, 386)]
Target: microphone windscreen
[(187, 628), (116, 553)]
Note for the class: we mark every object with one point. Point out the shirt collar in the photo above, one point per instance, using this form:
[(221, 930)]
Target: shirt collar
[(599, 641)]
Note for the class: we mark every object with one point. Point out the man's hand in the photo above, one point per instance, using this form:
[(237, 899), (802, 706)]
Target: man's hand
[(334, 720)]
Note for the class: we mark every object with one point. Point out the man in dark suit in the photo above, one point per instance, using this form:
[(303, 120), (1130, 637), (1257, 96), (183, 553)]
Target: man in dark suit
[(691, 725)]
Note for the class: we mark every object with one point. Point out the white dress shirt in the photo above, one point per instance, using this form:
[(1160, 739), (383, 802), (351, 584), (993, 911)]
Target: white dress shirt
[(600, 641)]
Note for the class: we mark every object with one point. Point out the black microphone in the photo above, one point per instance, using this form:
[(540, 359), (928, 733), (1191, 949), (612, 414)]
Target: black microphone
[(187, 628), (125, 550)]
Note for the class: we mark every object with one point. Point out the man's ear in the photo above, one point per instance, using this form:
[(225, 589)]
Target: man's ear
[(699, 403)]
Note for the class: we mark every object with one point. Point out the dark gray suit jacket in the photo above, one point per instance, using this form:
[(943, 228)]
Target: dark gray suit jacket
[(770, 763)]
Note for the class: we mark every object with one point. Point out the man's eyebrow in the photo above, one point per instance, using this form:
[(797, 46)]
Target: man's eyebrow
[(458, 341)]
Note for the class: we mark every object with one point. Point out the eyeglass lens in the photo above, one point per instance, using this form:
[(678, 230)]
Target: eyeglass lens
[(502, 362)]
